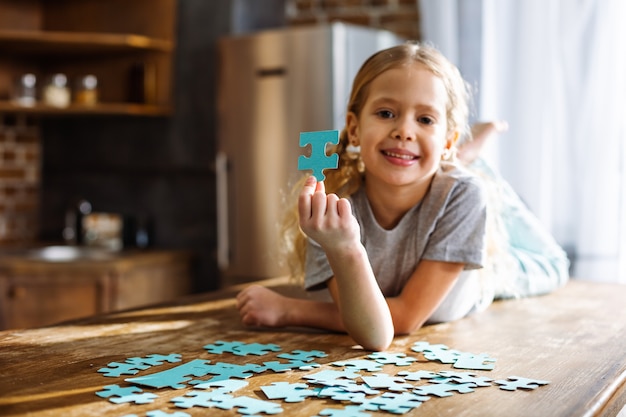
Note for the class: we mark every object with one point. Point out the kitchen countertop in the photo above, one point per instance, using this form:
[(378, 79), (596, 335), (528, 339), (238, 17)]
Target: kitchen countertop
[(574, 338)]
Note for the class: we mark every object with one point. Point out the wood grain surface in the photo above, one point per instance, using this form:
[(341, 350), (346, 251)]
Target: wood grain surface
[(575, 338)]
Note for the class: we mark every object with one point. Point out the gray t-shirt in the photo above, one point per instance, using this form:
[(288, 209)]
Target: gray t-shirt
[(447, 225)]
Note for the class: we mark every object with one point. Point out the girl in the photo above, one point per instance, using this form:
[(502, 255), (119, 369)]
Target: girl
[(399, 235)]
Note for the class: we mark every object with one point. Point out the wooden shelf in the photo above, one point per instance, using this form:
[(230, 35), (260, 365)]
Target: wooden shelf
[(52, 43), (130, 109), (127, 45)]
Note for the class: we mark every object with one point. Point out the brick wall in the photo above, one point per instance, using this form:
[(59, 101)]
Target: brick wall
[(399, 16), (20, 171)]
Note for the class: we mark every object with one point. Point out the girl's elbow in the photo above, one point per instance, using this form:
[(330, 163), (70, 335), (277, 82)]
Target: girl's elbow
[(379, 344)]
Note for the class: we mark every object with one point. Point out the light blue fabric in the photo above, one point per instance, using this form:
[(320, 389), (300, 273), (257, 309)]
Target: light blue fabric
[(541, 264)]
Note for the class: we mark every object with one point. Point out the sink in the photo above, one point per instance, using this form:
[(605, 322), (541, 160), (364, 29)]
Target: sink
[(62, 253)]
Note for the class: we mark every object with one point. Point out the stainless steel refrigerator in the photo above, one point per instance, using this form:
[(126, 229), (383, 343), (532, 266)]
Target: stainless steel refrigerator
[(272, 86)]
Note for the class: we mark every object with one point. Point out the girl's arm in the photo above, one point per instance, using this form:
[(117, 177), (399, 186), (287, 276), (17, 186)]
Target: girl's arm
[(427, 287), (423, 293), (328, 220)]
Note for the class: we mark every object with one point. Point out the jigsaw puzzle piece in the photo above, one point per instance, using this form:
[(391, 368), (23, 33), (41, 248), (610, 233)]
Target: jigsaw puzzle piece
[(386, 358), (463, 378), (303, 355), (348, 411), (258, 349), (224, 370), (221, 346), (443, 389), (438, 352), (196, 399), (396, 403), (417, 375), (223, 386), (288, 366), (154, 359), (247, 405), (116, 390), (360, 365), (392, 383), (318, 161), (330, 378), (515, 382), (471, 361), (341, 394), (117, 369), (119, 395), (174, 377), (133, 365), (159, 413), (291, 393)]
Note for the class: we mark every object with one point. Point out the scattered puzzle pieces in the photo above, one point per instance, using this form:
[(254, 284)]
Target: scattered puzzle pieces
[(377, 392), (515, 382), (319, 160)]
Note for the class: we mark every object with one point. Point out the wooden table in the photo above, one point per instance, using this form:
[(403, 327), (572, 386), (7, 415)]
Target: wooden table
[(574, 338)]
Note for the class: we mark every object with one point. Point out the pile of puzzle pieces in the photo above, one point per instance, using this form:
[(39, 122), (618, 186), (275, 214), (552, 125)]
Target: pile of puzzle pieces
[(358, 386)]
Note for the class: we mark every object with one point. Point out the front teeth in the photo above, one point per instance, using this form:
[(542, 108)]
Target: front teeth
[(401, 156)]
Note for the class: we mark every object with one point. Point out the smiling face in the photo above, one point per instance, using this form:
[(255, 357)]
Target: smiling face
[(402, 127)]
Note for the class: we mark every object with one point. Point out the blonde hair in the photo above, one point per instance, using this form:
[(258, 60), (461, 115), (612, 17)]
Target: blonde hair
[(345, 180)]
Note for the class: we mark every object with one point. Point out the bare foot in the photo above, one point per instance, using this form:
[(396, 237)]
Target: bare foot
[(470, 150)]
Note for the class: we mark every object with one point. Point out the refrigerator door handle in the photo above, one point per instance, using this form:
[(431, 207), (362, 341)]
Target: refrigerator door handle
[(223, 232)]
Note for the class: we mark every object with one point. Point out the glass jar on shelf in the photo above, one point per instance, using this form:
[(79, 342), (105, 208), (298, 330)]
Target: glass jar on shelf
[(25, 90), (86, 92), (56, 92)]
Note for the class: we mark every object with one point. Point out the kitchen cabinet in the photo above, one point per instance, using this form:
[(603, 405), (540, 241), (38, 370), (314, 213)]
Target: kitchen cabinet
[(36, 292), (128, 45)]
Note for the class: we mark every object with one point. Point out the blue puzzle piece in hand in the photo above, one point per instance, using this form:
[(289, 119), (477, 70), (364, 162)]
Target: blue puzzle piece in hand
[(319, 160)]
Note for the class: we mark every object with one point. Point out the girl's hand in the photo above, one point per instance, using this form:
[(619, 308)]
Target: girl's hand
[(259, 306), (327, 219)]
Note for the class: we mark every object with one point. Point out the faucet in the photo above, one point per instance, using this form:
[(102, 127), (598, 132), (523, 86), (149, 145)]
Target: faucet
[(73, 230)]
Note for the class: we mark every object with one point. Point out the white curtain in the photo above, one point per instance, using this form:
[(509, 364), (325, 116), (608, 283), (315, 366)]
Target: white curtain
[(556, 71)]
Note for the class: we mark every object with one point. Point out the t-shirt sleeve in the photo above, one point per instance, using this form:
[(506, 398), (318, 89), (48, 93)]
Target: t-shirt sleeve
[(459, 232)]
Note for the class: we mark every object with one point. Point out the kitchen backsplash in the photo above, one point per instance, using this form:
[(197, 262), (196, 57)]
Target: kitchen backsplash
[(20, 172), (398, 16)]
